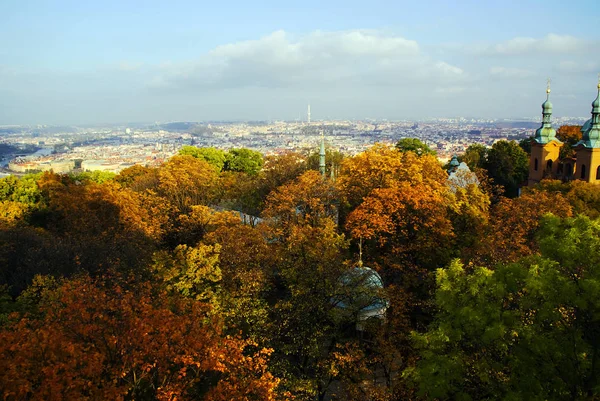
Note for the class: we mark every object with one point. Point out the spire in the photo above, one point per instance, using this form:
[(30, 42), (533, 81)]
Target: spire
[(322, 155), (546, 133), (591, 134), (360, 262)]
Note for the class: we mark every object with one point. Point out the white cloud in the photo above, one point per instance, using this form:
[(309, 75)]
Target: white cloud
[(578, 67), (551, 44), (513, 73), (279, 60)]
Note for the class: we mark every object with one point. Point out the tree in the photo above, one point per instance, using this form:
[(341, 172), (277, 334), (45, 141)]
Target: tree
[(308, 200), (213, 156), (525, 144), (526, 330), (186, 181), (569, 135), (191, 271), (414, 145), (303, 329), (138, 178), (243, 160), (513, 225), (382, 166), (105, 341), (475, 156), (333, 160), (508, 165), (408, 223), (94, 176)]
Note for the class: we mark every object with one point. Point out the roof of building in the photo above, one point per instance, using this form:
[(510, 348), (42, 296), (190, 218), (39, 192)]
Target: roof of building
[(546, 133), (590, 132)]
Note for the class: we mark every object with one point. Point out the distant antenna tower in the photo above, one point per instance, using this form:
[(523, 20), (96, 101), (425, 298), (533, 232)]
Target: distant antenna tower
[(308, 114)]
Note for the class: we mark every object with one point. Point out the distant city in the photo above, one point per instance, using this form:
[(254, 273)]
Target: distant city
[(112, 148)]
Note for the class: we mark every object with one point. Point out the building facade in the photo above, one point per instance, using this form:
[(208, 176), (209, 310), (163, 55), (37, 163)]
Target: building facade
[(545, 160)]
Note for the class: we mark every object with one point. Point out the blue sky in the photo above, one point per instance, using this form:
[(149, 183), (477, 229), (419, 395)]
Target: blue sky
[(117, 61)]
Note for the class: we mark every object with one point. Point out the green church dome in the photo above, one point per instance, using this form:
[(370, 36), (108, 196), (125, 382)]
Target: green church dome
[(546, 133), (590, 131)]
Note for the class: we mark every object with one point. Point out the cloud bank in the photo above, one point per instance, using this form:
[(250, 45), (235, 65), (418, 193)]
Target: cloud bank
[(343, 74)]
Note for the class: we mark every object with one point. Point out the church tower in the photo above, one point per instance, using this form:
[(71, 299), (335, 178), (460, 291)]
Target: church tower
[(545, 147), (588, 149)]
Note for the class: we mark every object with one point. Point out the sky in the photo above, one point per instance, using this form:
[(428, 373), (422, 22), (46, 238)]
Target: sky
[(85, 62)]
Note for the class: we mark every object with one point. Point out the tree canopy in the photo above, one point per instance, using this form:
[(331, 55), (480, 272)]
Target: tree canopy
[(414, 145), (196, 280)]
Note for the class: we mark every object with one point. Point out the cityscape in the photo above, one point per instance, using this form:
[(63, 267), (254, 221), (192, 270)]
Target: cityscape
[(113, 148), (307, 201)]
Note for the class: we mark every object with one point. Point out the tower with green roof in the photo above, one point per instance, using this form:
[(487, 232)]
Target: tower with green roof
[(588, 149), (545, 147), (322, 155)]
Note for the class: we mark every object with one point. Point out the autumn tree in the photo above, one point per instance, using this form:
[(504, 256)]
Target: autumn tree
[(105, 341), (308, 200), (513, 225), (249, 268), (186, 181), (569, 135), (139, 178), (191, 271), (303, 329), (382, 166)]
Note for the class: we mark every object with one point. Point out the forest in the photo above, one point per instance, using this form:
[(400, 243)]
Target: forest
[(229, 275)]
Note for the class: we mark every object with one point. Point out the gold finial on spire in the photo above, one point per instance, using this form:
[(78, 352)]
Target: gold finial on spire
[(548, 82), (599, 81)]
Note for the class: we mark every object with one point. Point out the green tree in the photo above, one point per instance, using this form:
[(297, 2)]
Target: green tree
[(94, 176), (475, 156), (525, 144), (414, 145), (508, 165), (213, 156), (527, 330), (243, 160)]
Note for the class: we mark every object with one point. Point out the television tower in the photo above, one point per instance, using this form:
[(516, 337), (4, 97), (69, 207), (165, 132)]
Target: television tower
[(308, 114)]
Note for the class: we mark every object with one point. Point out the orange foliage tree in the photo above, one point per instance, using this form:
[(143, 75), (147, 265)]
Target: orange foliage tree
[(186, 181), (514, 224), (96, 341), (308, 200)]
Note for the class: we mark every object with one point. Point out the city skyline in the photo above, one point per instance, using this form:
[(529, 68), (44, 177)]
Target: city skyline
[(72, 63)]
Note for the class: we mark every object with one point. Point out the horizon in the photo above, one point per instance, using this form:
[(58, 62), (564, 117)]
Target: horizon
[(84, 64)]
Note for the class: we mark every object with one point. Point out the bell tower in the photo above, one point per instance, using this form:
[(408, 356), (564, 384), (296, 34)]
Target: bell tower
[(545, 147), (588, 149)]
